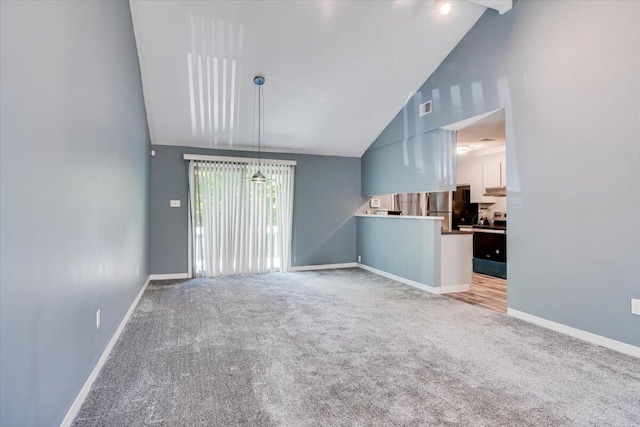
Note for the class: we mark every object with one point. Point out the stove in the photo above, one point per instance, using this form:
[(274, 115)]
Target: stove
[(490, 247), (500, 219)]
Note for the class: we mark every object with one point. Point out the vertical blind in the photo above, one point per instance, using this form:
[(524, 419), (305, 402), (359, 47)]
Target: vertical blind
[(240, 227)]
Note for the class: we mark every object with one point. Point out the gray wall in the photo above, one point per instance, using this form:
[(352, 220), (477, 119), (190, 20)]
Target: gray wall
[(567, 75), (327, 193), (424, 162), (401, 246), (74, 182)]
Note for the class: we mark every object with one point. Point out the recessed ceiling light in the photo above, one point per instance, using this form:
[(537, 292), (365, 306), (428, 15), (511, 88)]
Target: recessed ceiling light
[(445, 8), (487, 139)]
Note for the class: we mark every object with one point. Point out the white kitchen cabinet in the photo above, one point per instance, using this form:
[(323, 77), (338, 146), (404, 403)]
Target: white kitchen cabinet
[(480, 172), (470, 173), (492, 174), (475, 180), (462, 173)]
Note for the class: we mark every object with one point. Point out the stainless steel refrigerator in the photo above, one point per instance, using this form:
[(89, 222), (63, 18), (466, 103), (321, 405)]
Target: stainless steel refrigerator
[(439, 204)]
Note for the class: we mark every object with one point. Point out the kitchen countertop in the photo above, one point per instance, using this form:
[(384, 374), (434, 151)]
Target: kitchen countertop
[(431, 218), (453, 232)]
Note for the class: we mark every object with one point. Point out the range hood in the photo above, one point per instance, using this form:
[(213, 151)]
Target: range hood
[(495, 191)]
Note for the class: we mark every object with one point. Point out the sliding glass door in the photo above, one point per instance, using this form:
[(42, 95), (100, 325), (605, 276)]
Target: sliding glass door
[(239, 226)]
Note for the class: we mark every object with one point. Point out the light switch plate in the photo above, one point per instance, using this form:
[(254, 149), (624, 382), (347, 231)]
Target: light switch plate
[(374, 203), (174, 203), (635, 306)]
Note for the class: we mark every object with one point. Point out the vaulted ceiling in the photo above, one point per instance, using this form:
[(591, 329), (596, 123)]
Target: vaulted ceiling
[(336, 72)]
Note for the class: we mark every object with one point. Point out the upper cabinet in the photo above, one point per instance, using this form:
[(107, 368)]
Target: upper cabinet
[(475, 181), (480, 172), (492, 174)]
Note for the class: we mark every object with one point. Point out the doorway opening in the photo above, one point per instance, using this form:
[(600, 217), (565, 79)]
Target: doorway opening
[(480, 206)]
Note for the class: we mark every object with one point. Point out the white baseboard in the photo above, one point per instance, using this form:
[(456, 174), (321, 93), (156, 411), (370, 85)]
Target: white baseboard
[(169, 276), (431, 289), (622, 347), (84, 391), (324, 266)]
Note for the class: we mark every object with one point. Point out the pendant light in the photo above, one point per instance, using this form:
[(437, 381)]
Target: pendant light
[(259, 177)]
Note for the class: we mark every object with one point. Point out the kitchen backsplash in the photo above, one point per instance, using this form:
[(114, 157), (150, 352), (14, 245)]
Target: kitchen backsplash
[(499, 206)]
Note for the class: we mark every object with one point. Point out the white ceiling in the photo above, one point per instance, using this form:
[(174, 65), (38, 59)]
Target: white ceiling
[(337, 72), (486, 126)]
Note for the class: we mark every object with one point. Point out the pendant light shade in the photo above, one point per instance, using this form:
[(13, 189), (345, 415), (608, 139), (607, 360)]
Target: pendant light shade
[(259, 177)]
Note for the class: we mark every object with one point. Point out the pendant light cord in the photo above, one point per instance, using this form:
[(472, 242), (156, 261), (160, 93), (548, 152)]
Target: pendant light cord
[(255, 100), (260, 126), (259, 100)]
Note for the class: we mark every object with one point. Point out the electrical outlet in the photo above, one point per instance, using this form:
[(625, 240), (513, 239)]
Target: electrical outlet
[(98, 319), (174, 203), (359, 258), (294, 259), (635, 306)]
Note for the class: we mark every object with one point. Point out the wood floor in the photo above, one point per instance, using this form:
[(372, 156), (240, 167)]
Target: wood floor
[(486, 291)]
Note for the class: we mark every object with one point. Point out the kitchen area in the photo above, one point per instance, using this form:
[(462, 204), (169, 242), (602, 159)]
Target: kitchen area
[(473, 218), (480, 205)]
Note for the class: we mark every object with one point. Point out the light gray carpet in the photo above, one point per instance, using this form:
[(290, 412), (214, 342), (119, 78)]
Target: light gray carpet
[(348, 348)]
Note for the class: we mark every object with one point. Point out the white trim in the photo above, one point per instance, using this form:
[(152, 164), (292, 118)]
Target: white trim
[(190, 211), (169, 276), (431, 289), (622, 347), (239, 159), (84, 391), (409, 282), (324, 266), (467, 122)]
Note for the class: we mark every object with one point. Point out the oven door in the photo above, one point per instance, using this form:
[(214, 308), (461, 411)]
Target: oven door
[(490, 246)]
